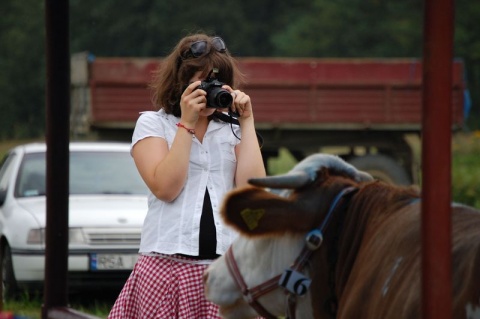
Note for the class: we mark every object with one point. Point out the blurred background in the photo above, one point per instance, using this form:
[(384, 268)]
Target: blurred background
[(146, 28)]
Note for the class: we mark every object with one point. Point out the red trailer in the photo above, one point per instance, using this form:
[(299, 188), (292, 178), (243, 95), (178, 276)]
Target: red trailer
[(361, 109)]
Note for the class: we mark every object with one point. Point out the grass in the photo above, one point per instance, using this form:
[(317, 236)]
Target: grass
[(466, 169), (30, 306), (25, 306)]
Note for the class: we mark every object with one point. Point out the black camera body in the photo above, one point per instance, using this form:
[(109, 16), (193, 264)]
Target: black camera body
[(216, 96)]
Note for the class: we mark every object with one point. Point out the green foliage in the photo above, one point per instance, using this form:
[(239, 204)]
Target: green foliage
[(29, 305), (467, 46), (304, 28), (152, 28), (22, 61), (281, 164), (347, 28), (466, 169)]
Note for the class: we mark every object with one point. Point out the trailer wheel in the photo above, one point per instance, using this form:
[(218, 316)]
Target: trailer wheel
[(383, 168)]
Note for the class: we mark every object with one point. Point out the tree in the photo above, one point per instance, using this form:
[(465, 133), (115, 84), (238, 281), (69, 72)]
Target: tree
[(467, 46), (301, 28), (349, 28), (22, 75)]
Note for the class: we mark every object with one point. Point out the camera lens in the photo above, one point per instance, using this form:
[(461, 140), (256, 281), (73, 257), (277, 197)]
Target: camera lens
[(219, 98), (224, 99)]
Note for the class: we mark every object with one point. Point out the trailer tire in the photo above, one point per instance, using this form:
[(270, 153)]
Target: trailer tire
[(383, 168)]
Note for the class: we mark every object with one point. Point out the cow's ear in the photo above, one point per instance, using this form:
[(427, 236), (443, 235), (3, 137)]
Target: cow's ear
[(235, 202), (253, 211)]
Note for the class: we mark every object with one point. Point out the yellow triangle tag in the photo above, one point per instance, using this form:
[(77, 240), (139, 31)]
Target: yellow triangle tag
[(252, 216)]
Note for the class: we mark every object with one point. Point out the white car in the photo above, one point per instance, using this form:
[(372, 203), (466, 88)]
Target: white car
[(107, 206)]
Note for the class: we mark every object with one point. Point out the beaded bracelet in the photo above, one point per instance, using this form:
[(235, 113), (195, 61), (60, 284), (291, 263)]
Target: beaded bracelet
[(189, 130)]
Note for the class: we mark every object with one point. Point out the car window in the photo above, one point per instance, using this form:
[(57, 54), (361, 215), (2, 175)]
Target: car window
[(90, 173), (6, 170), (31, 176), (104, 173)]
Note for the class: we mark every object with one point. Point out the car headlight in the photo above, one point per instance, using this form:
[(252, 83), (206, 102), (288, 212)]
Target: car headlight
[(75, 236), (37, 236)]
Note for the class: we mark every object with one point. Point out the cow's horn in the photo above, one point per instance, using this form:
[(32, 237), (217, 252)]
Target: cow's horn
[(291, 180), (362, 176)]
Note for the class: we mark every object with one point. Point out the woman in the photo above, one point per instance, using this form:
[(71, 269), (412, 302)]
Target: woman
[(189, 159)]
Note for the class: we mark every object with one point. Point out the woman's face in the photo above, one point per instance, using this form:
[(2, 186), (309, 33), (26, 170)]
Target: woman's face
[(198, 77)]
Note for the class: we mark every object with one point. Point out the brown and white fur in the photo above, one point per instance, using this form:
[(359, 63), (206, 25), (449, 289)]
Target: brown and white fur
[(369, 263)]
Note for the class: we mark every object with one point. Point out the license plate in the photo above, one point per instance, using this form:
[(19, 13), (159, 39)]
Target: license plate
[(112, 261)]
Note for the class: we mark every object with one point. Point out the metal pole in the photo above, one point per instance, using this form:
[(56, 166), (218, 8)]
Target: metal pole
[(436, 160), (57, 111)]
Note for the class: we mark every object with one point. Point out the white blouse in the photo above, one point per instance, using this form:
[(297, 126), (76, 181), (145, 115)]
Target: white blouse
[(174, 228)]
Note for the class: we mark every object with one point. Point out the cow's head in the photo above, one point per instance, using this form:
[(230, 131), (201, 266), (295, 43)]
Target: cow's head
[(272, 227)]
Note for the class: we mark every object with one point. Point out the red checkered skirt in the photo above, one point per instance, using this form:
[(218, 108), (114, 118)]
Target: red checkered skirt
[(164, 288)]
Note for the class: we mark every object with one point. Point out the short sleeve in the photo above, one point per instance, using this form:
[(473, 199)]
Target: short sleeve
[(149, 124)]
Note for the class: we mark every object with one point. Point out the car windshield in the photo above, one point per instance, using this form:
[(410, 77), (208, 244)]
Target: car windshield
[(90, 173)]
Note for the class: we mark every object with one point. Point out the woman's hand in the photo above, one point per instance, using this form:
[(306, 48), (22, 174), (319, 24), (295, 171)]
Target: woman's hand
[(241, 102), (192, 102)]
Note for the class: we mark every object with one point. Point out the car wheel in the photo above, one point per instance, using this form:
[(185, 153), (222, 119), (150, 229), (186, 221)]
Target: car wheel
[(10, 287)]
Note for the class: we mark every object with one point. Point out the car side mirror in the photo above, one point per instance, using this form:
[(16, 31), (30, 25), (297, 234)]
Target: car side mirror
[(3, 195)]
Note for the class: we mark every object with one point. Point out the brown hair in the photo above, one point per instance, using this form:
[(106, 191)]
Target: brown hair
[(176, 70)]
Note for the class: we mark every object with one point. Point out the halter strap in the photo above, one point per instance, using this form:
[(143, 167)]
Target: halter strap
[(313, 239), (251, 296)]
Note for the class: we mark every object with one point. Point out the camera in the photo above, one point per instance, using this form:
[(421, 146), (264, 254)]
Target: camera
[(216, 96)]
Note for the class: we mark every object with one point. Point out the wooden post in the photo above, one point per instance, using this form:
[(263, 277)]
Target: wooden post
[(58, 130), (436, 160)]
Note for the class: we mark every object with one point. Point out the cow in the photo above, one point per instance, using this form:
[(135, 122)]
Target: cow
[(337, 245)]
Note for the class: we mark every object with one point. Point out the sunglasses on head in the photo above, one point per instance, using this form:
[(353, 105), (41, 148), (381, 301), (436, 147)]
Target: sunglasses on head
[(199, 48)]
